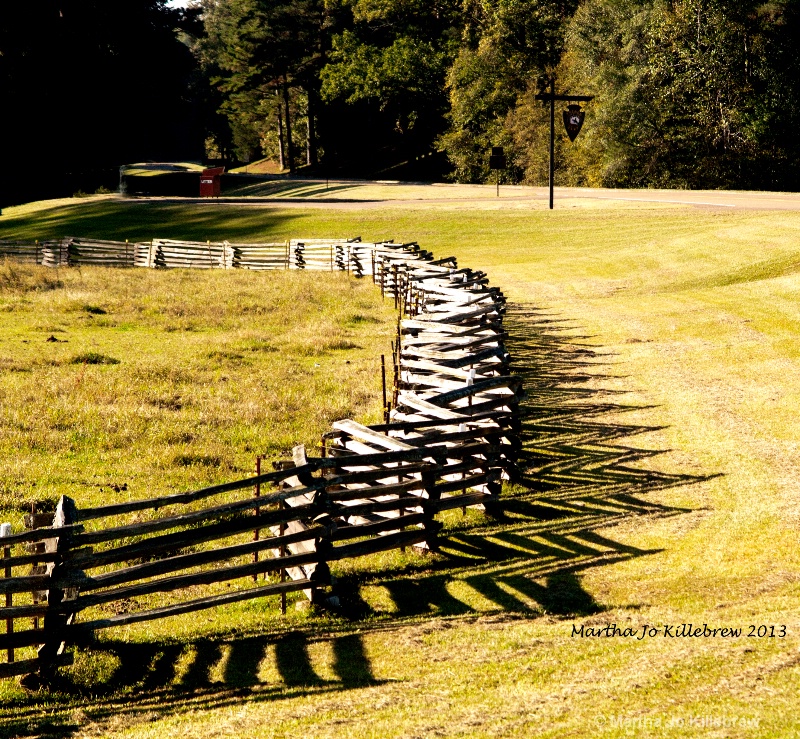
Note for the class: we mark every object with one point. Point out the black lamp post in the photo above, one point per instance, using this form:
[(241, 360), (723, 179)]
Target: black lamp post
[(573, 120)]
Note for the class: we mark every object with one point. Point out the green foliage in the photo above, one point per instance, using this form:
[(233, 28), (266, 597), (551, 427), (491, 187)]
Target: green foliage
[(87, 85), (479, 99), (389, 62), (529, 33), (264, 58), (511, 45), (689, 94), (403, 76), (692, 93)]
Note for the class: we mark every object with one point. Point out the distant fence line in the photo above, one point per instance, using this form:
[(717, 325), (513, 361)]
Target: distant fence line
[(316, 254), (448, 440)]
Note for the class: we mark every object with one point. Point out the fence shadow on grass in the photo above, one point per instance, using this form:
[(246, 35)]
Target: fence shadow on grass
[(577, 476), (294, 189), (155, 679)]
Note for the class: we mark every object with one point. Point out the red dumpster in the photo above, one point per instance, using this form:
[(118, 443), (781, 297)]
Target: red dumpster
[(210, 182)]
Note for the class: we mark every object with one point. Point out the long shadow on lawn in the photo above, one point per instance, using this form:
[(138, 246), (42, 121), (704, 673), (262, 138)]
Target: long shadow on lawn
[(576, 476), (148, 681), (142, 220), (294, 188), (146, 684)]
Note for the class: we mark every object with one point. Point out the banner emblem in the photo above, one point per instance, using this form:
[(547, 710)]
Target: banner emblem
[(573, 120)]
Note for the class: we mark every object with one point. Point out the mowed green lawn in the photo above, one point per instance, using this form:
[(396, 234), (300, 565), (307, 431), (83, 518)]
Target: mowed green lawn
[(660, 348)]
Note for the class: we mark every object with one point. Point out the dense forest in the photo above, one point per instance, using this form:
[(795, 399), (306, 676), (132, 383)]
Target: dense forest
[(688, 93), (87, 85)]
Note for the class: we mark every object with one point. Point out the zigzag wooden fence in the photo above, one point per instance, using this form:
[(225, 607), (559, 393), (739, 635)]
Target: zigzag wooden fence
[(448, 440)]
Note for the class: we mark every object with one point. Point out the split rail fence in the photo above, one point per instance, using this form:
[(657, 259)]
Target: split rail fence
[(448, 440), (312, 254)]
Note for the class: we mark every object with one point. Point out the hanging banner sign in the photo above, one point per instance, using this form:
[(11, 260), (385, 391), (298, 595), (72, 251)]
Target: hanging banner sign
[(573, 120)]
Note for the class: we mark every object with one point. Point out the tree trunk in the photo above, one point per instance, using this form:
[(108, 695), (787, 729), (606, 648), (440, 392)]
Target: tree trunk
[(311, 141), (289, 144), (309, 127), (281, 157)]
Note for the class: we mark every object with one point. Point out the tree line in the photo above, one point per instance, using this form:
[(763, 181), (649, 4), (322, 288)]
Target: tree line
[(688, 93), (87, 85)]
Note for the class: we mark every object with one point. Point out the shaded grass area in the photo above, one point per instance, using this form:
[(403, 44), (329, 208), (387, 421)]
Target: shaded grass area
[(598, 249), (120, 220), (440, 229), (288, 189)]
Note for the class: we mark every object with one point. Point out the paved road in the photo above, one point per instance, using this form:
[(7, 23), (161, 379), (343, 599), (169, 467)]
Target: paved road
[(705, 198), (360, 194)]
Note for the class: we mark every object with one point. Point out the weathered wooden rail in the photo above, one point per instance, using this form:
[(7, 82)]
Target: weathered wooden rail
[(309, 254), (447, 441)]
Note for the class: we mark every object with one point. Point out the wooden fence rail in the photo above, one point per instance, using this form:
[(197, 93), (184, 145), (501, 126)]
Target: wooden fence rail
[(448, 440), (311, 254), (347, 255)]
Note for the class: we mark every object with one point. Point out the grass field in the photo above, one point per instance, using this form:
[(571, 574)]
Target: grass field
[(155, 380), (660, 348)]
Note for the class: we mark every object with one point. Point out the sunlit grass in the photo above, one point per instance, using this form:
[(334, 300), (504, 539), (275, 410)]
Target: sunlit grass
[(135, 383), (695, 312)]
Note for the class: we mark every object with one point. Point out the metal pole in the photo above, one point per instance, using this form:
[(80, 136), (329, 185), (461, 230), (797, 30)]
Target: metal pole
[(552, 135)]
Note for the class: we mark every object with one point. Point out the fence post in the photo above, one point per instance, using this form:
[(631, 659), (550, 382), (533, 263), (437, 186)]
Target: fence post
[(282, 553), (323, 545), (383, 383), (469, 383), (396, 382), (430, 508), (35, 520), (492, 505), (56, 622), (5, 530), (65, 252), (257, 512), (228, 255)]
